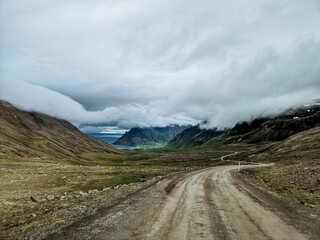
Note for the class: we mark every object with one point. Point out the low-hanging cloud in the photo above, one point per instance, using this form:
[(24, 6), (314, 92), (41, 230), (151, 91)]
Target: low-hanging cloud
[(133, 63), (40, 99)]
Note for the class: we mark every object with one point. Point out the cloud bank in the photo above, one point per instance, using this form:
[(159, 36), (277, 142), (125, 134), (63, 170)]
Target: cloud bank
[(139, 63)]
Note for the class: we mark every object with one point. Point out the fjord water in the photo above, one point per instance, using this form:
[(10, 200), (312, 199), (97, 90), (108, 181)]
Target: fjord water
[(110, 138)]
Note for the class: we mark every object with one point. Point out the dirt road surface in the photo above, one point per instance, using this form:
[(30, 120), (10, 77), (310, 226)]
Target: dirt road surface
[(212, 203)]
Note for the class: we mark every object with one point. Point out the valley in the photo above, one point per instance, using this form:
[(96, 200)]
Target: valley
[(55, 179), (160, 120)]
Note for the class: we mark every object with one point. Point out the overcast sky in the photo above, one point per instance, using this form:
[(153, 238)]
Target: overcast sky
[(125, 63)]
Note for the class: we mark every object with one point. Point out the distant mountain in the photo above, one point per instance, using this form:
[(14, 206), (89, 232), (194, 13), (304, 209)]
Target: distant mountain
[(150, 135), (31, 134), (259, 130), (193, 136)]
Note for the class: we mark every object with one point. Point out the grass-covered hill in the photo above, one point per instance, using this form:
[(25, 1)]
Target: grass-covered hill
[(33, 134)]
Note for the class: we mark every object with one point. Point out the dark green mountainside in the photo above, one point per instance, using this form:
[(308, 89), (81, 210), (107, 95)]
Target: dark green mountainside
[(193, 136), (258, 131), (277, 128), (151, 135)]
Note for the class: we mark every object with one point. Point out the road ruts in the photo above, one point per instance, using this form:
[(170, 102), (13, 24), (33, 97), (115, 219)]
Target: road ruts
[(204, 204)]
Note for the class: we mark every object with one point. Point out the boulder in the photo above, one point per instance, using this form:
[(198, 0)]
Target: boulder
[(37, 199), (83, 194)]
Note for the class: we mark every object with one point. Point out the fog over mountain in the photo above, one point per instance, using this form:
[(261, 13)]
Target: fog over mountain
[(120, 64)]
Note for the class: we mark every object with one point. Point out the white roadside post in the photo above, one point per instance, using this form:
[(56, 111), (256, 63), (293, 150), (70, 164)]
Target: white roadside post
[(239, 167)]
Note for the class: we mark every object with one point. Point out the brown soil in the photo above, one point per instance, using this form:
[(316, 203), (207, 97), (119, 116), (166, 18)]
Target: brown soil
[(207, 204)]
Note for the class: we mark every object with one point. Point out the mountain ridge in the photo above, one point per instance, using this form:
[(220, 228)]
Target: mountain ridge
[(259, 130), (151, 135), (25, 133)]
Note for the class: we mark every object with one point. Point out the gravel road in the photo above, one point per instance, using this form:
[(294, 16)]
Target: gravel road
[(212, 203)]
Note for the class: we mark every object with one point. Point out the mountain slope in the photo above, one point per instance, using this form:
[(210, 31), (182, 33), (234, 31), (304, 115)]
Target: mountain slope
[(33, 134), (193, 136), (277, 128), (296, 169), (258, 131), (151, 135)]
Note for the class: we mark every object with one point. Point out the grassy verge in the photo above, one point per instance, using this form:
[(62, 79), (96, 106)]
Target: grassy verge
[(269, 177)]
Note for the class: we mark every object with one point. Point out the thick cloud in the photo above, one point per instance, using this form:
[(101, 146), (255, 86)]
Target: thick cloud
[(138, 62)]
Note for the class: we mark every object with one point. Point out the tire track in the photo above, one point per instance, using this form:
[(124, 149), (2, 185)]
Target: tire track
[(204, 204)]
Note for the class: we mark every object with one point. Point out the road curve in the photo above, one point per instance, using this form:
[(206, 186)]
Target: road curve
[(204, 204), (223, 157)]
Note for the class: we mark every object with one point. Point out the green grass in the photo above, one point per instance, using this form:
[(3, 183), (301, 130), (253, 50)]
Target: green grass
[(124, 178), (29, 226), (258, 157), (39, 143), (60, 221)]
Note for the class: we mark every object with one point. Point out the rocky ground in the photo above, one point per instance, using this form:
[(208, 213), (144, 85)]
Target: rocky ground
[(209, 203), (299, 181), (34, 215)]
